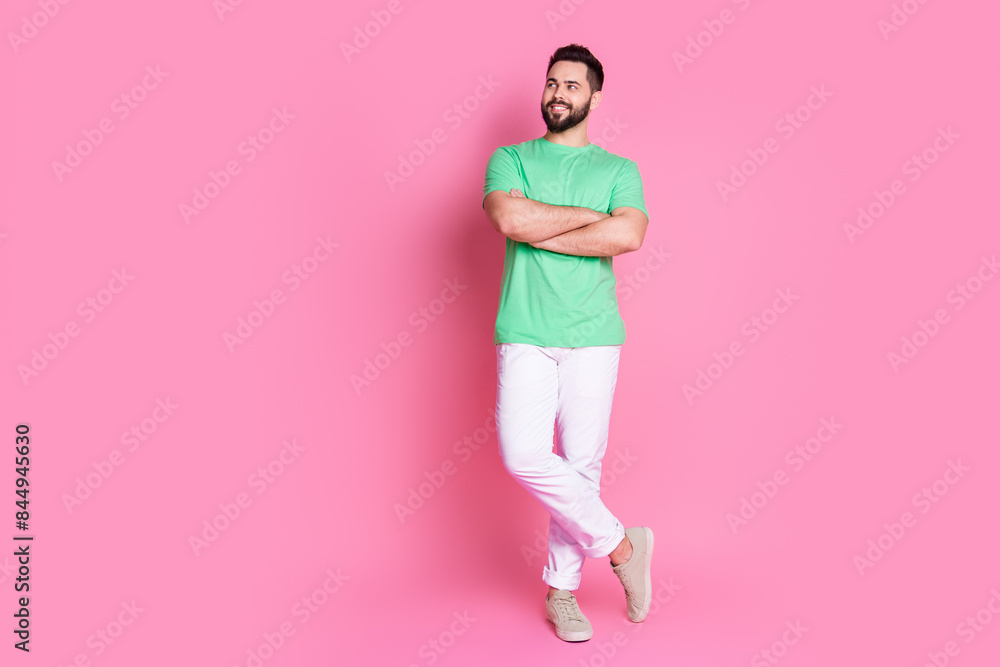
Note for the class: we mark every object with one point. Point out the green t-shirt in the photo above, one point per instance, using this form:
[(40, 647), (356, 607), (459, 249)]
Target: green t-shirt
[(547, 298)]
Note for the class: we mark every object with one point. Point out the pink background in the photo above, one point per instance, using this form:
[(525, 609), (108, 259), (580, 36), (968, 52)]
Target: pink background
[(469, 551)]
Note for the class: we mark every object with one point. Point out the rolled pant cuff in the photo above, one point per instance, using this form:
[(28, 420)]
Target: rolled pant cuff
[(605, 548), (562, 580)]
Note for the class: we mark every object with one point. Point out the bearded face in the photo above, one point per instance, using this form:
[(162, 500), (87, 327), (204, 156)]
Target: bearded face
[(561, 115)]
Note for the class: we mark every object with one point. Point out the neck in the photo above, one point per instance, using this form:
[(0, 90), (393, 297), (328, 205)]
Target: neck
[(575, 136)]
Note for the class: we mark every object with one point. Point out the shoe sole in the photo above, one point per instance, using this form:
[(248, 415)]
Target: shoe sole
[(569, 636), (574, 636), (648, 578)]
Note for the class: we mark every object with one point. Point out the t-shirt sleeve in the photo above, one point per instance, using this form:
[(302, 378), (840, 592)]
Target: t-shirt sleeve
[(502, 172), (628, 189)]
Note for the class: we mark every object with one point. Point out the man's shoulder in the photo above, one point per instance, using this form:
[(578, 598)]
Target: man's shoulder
[(611, 157), (511, 153), (520, 148)]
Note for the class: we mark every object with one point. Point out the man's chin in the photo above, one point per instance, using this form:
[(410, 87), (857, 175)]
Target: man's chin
[(559, 129)]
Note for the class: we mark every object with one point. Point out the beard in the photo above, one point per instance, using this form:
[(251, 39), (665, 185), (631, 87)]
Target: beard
[(568, 119)]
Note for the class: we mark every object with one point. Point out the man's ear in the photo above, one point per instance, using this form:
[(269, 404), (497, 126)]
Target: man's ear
[(595, 100)]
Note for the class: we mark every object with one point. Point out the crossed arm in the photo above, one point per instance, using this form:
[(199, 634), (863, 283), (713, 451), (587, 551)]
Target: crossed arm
[(570, 230)]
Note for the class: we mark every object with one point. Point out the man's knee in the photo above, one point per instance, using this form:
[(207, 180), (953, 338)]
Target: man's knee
[(525, 464)]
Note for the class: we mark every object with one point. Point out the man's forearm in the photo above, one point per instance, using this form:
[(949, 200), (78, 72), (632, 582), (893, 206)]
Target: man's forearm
[(532, 221), (605, 238)]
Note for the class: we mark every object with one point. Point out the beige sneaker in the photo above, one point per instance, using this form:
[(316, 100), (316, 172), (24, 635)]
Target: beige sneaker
[(634, 574), (571, 625)]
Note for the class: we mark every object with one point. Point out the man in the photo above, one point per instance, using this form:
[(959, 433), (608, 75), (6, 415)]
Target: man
[(567, 207)]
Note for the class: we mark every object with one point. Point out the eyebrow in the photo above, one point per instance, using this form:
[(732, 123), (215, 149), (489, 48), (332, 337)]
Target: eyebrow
[(557, 81)]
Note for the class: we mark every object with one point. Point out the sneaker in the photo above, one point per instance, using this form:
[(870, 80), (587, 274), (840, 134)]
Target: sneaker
[(634, 574), (571, 625)]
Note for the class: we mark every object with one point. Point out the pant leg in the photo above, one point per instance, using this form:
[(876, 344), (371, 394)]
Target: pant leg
[(528, 394), (587, 380)]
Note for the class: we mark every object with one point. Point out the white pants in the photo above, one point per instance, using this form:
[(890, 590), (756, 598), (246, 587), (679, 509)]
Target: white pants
[(572, 387)]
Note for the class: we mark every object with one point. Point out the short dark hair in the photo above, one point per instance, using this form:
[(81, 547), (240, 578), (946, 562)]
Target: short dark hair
[(581, 54)]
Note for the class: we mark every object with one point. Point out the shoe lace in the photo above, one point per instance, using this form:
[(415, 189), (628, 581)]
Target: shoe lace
[(569, 608), (626, 584)]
